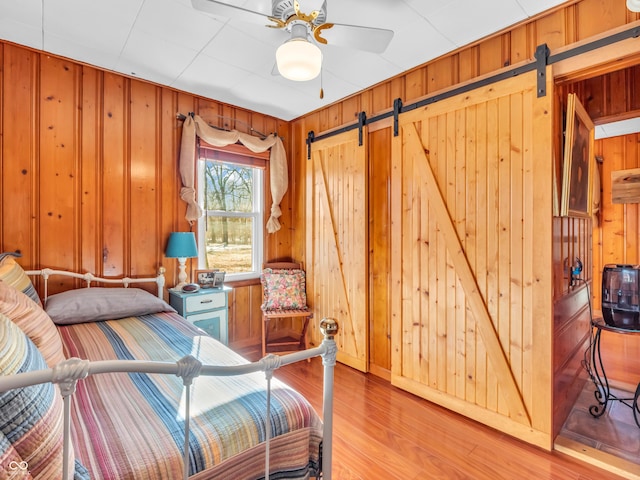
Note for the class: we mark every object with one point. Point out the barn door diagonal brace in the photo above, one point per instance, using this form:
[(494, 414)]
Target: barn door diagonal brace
[(542, 60)]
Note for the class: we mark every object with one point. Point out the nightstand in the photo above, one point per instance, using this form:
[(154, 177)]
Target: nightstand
[(206, 309)]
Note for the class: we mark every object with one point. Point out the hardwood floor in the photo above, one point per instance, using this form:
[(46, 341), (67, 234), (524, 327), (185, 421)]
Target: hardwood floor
[(381, 432)]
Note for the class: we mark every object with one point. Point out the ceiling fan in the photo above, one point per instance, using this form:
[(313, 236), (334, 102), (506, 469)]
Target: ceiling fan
[(299, 58)]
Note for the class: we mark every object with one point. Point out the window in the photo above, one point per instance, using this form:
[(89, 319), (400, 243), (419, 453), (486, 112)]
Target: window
[(231, 193)]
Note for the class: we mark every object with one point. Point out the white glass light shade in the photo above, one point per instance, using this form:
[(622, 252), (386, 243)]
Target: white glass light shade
[(633, 5), (299, 60)]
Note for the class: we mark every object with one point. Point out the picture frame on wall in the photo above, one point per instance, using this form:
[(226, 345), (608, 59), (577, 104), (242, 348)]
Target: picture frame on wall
[(578, 161)]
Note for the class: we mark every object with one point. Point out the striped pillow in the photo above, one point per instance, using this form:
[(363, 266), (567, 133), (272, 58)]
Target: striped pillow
[(31, 425), (14, 275), (33, 321)]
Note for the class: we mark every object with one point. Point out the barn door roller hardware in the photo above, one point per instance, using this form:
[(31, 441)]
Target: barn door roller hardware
[(362, 121), (542, 60), (397, 109), (542, 57), (310, 139)]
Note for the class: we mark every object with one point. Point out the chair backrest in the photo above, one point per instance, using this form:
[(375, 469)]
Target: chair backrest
[(283, 286), (283, 265)]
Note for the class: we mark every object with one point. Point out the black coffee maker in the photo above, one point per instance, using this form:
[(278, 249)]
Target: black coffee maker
[(621, 296)]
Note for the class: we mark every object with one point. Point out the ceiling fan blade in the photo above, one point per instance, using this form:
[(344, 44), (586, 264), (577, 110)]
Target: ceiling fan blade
[(226, 10), (368, 39)]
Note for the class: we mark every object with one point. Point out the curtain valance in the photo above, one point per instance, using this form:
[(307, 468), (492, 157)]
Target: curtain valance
[(195, 125)]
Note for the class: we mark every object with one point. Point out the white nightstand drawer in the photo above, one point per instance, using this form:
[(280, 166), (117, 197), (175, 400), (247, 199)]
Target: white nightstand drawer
[(205, 301)]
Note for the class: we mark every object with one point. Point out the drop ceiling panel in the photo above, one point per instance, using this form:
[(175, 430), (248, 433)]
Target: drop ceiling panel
[(154, 58), (256, 57), (22, 24), (479, 19), (177, 22), (417, 41), (359, 68), (103, 57), (206, 74)]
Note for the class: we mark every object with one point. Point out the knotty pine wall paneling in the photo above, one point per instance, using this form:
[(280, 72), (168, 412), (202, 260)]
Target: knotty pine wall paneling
[(90, 178), (20, 149), (91, 154), (379, 254)]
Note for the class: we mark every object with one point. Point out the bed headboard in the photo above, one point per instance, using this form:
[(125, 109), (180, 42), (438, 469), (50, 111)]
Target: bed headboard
[(90, 278)]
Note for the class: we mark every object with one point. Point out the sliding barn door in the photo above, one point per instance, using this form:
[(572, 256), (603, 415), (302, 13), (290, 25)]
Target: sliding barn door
[(471, 290), (337, 242)]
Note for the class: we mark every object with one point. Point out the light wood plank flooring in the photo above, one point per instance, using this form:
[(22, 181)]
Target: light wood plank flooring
[(381, 432)]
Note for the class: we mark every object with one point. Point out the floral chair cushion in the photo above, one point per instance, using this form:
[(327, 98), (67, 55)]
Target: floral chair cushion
[(283, 289)]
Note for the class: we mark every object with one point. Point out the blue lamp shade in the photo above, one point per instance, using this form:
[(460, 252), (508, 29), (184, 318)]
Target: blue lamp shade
[(182, 245)]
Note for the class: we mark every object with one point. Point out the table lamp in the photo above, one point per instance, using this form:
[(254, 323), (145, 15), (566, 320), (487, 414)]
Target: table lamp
[(181, 245)]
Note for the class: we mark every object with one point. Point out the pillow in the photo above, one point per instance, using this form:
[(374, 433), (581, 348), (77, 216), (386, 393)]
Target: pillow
[(33, 321), (14, 275), (31, 428), (283, 289), (98, 303)]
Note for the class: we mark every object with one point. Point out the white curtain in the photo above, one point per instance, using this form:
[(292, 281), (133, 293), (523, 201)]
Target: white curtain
[(219, 138)]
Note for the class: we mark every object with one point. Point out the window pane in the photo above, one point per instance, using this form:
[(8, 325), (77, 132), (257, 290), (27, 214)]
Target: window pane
[(228, 187), (229, 243)]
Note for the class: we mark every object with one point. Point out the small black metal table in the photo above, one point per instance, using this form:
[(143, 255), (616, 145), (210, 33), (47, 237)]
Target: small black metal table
[(598, 375)]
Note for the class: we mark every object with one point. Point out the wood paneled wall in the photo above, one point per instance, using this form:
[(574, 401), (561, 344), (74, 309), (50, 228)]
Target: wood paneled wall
[(90, 176)]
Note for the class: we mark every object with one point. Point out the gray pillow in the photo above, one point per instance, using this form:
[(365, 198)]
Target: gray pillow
[(97, 303)]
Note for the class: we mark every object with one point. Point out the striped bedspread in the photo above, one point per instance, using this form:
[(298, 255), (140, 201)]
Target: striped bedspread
[(130, 426)]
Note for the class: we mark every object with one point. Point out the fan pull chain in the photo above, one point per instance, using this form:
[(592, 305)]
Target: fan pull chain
[(321, 89)]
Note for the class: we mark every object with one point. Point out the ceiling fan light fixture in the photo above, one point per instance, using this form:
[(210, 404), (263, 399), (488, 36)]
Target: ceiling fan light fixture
[(299, 60), (633, 5)]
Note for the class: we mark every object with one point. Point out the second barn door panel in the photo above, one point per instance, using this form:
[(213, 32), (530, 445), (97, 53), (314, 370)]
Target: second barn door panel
[(471, 197), (337, 242)]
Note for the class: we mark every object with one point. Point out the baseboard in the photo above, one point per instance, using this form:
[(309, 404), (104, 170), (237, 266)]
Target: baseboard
[(383, 373), (598, 458), (245, 343)]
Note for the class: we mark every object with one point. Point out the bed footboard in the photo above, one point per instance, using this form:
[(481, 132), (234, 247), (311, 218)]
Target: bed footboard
[(68, 373)]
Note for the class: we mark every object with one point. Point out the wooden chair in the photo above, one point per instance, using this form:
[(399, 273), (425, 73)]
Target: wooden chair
[(284, 296)]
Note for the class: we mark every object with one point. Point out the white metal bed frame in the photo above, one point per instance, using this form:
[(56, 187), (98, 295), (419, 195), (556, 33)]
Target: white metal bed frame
[(88, 277), (66, 374)]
